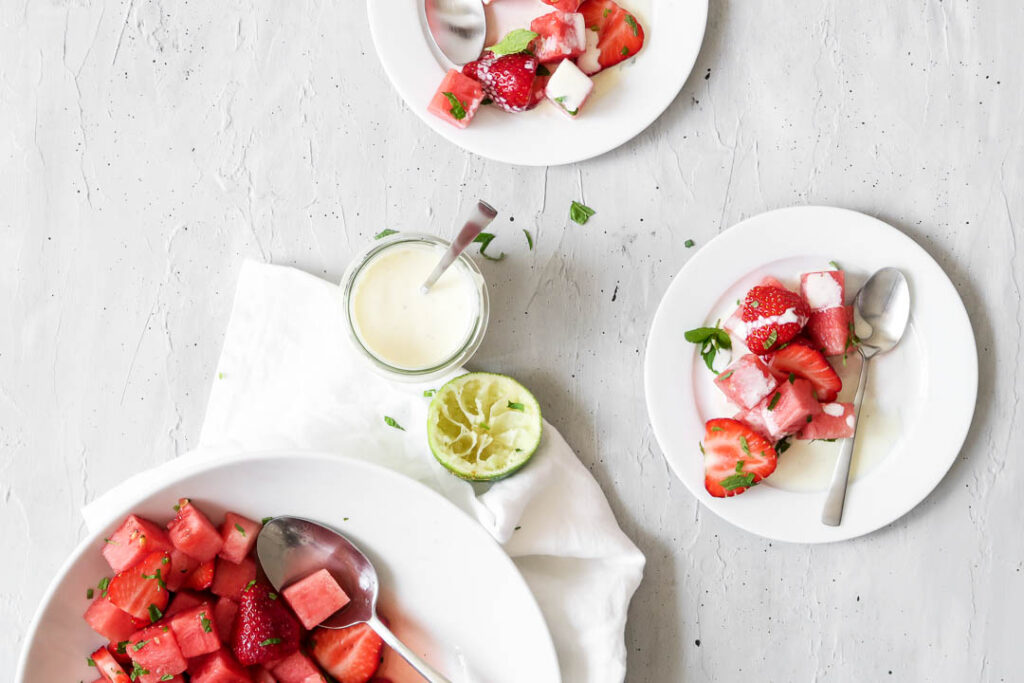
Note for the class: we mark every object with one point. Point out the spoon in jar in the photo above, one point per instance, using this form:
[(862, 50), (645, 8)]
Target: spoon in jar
[(883, 303), (291, 548), (481, 218), (458, 28)]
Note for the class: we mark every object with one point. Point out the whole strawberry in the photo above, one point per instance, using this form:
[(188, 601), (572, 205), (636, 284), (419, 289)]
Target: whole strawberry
[(508, 80), (773, 317), (265, 629)]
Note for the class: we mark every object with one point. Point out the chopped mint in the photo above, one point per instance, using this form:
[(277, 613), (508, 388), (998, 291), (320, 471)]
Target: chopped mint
[(122, 647), (580, 213), (514, 41), (270, 641), (716, 428), (543, 70), (485, 101), (138, 671), (625, 51), (154, 613), (165, 560), (755, 303), (139, 645), (90, 661), (792, 378), (265, 520), (736, 481), (711, 340), (88, 593), (606, 12), (688, 243), (485, 239), (220, 375), (782, 445), (455, 107), (272, 596), (774, 401), (239, 528), (103, 585), (384, 233), (744, 445), (739, 465), (484, 425), (390, 422), (516, 406), (772, 338), (632, 24), (167, 677), (594, 28), (834, 265), (810, 419), (176, 507), (249, 585), (205, 622), (529, 238), (701, 447), (727, 375)]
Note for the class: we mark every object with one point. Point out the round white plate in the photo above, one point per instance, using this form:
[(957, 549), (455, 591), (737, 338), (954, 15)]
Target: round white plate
[(449, 590), (627, 97), (920, 397)]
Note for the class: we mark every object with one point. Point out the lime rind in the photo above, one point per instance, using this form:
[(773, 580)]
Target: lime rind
[(483, 426)]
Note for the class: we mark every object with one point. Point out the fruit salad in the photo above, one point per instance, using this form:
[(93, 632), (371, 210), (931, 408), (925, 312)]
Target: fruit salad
[(187, 602), (555, 59), (780, 379)]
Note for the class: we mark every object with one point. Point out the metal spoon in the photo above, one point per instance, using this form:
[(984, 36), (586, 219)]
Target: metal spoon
[(481, 218), (884, 304), (458, 27), (290, 548)]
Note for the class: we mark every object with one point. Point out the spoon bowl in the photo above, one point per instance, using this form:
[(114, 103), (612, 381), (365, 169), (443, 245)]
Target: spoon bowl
[(458, 28)]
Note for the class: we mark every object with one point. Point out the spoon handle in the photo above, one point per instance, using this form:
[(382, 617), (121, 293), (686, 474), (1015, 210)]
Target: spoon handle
[(481, 218), (832, 513), (428, 672)]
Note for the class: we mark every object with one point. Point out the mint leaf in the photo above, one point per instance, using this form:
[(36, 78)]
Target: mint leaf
[(782, 445), (744, 445), (735, 481), (516, 406), (429, 392), (688, 243), (772, 338), (774, 401), (514, 41), (485, 239), (154, 613), (712, 340), (632, 24), (270, 641), (458, 111), (529, 238), (834, 265), (543, 70), (390, 422), (239, 528), (739, 465), (580, 213), (384, 233), (624, 51)]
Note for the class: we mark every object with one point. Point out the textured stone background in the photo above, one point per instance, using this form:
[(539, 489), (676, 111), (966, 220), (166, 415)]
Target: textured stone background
[(147, 147)]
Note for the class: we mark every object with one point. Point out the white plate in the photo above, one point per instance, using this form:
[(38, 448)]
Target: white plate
[(448, 588), (920, 397), (627, 98)]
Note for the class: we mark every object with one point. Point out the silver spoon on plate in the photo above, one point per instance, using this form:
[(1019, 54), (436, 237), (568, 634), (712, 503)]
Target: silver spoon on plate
[(883, 303), (458, 28), (290, 548)]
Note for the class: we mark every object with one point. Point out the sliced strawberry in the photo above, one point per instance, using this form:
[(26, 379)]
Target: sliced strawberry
[(351, 655), (140, 589), (619, 34), (735, 457), (772, 318), (108, 666), (803, 361), (507, 80), (265, 630)]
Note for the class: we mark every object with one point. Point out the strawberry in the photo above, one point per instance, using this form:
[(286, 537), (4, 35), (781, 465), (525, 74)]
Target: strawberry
[(619, 34), (801, 360), (351, 655), (735, 457), (507, 80), (141, 591), (265, 630), (772, 317)]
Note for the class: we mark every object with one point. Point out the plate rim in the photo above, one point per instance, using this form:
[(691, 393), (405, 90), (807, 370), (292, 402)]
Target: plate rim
[(182, 468), (964, 334)]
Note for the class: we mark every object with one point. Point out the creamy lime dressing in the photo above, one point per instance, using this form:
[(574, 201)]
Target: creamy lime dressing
[(402, 326)]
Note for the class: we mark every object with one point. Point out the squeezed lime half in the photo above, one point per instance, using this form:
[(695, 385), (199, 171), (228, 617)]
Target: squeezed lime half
[(483, 426)]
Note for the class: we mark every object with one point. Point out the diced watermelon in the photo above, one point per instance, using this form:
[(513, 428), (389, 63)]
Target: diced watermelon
[(183, 566), (224, 613), (133, 540), (108, 666), (829, 329), (824, 289), (192, 533), (156, 650), (835, 421), (315, 598), (783, 412), (182, 601), (261, 675), (295, 668), (560, 35), (457, 99), (230, 579), (110, 621), (746, 381), (201, 577), (218, 667), (239, 535), (195, 631)]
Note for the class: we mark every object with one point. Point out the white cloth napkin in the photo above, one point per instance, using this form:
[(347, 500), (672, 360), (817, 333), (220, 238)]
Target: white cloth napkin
[(287, 379)]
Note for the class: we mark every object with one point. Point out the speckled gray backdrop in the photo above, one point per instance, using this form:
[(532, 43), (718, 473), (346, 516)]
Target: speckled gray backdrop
[(147, 147)]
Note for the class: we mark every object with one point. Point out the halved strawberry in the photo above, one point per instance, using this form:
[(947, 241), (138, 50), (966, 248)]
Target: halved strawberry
[(620, 35), (735, 457), (351, 655), (803, 361), (265, 630), (507, 80), (772, 317), (141, 591), (108, 666)]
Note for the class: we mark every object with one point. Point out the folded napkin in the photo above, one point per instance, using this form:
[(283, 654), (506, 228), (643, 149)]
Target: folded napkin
[(288, 380)]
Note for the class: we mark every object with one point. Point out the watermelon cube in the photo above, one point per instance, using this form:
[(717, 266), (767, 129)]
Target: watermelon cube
[(183, 566), (218, 667), (829, 329), (156, 650), (183, 601), (239, 535), (569, 88), (457, 99), (195, 631), (110, 621), (192, 532), (783, 412), (261, 675), (824, 289), (746, 381), (835, 421), (315, 598), (224, 613), (108, 666), (560, 35), (133, 540), (296, 668), (230, 579), (201, 577)]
